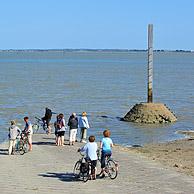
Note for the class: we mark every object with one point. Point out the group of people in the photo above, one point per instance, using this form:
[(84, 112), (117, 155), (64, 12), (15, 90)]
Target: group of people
[(74, 123), (15, 134), (60, 127), (91, 148)]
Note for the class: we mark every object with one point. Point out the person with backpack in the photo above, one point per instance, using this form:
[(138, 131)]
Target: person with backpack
[(60, 129), (73, 126), (90, 150)]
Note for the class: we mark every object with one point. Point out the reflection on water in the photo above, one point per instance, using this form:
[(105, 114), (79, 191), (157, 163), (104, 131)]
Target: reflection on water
[(104, 84)]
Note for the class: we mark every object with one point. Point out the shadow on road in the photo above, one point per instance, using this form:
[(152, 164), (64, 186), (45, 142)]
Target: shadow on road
[(66, 177), (3, 151), (43, 143)]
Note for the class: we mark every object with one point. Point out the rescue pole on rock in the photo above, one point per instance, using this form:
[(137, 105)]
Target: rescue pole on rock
[(150, 63)]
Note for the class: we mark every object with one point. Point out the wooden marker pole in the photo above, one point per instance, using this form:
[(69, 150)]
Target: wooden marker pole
[(150, 63)]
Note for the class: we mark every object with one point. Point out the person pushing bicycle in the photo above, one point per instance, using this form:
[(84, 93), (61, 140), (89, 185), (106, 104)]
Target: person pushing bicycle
[(47, 118), (91, 154)]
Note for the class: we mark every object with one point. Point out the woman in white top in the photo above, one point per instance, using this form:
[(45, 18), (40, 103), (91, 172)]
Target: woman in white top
[(14, 131)]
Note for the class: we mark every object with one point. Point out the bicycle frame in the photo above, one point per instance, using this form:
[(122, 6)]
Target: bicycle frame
[(39, 123)]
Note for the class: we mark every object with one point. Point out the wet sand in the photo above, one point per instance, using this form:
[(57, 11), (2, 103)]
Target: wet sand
[(177, 154)]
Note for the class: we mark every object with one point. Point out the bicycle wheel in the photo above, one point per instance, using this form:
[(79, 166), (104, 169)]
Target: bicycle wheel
[(21, 148), (98, 168), (26, 147), (112, 169), (85, 176), (35, 127), (85, 171), (76, 169)]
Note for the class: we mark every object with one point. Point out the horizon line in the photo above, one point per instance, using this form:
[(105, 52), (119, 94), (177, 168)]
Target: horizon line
[(97, 49)]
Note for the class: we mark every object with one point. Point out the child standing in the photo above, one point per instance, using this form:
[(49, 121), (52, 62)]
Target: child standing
[(106, 145), (91, 154)]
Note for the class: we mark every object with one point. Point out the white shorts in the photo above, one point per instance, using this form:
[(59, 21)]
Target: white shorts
[(30, 138)]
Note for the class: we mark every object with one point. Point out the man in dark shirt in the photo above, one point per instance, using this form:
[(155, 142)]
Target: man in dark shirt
[(47, 118)]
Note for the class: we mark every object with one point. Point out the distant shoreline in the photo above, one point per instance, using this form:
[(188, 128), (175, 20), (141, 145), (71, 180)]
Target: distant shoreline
[(91, 50)]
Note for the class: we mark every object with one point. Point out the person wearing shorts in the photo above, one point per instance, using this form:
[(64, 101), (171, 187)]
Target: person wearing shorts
[(60, 124), (28, 131)]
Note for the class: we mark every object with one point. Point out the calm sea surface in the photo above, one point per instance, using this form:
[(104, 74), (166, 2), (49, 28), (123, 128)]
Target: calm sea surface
[(104, 84)]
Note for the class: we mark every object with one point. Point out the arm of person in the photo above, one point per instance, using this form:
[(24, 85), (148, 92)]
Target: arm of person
[(111, 144), (87, 123), (100, 144), (83, 149)]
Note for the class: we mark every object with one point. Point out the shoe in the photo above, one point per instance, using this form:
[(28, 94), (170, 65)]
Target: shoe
[(83, 141)]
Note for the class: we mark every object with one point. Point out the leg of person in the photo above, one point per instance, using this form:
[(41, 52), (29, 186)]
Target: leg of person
[(30, 142), (59, 140), (48, 126), (103, 155), (74, 136), (56, 142), (84, 135), (63, 138), (10, 146), (93, 169), (14, 145), (70, 136)]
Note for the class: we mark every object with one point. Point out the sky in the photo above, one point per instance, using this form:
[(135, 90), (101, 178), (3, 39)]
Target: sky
[(96, 24)]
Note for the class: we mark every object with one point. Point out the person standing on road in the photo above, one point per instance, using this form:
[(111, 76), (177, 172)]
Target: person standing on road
[(28, 132), (73, 126), (14, 131), (60, 125), (84, 125)]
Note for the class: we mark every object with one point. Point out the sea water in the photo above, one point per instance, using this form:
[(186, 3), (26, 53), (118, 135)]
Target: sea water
[(104, 84)]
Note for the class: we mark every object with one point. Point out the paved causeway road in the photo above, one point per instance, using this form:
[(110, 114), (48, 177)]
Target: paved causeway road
[(48, 169)]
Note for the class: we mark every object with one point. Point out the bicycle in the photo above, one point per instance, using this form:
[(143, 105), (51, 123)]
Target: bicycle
[(111, 167), (39, 123), (82, 168), (21, 146)]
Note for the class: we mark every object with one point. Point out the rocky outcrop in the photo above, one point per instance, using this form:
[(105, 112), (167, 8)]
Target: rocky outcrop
[(150, 113)]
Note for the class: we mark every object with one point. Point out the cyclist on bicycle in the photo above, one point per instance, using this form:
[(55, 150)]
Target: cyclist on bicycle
[(106, 145), (91, 154)]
